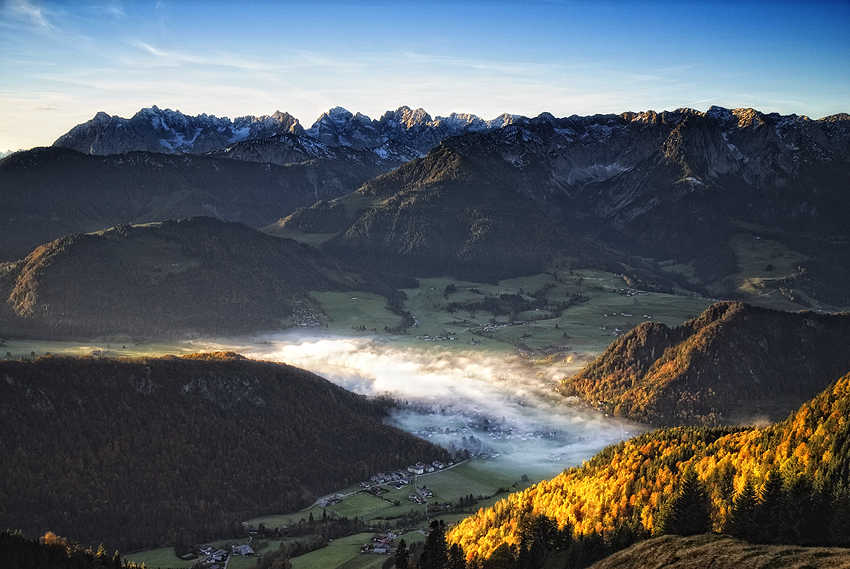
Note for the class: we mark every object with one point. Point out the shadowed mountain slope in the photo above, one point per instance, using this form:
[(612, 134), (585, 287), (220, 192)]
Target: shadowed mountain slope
[(51, 192), (135, 453), (197, 275), (443, 215), (726, 365)]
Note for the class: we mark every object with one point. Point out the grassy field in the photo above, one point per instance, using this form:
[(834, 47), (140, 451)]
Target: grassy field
[(360, 505), (585, 328), (348, 311), (339, 552), (476, 477), (17, 349), (762, 262), (162, 558), (345, 553)]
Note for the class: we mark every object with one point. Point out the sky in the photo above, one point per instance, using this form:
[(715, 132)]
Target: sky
[(63, 61)]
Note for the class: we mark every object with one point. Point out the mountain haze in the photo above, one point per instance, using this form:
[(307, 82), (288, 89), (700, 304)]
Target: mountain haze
[(51, 192), (438, 216)]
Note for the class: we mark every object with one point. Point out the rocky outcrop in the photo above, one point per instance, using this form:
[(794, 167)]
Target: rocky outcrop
[(171, 132)]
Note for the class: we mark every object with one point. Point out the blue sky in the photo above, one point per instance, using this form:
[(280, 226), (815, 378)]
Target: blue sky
[(62, 61)]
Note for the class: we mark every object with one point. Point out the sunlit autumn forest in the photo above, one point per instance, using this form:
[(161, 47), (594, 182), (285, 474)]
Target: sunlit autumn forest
[(787, 483)]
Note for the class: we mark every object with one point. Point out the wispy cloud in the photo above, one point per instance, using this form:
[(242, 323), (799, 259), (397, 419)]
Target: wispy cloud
[(221, 59), (115, 10), (29, 12)]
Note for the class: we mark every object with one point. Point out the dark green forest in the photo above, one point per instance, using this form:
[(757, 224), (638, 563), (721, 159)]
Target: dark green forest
[(136, 453)]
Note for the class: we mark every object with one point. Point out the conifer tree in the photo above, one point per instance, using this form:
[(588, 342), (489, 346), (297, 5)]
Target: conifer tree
[(457, 559), (689, 512), (839, 506), (502, 558), (435, 553), (770, 510), (801, 523), (402, 557), (740, 522)]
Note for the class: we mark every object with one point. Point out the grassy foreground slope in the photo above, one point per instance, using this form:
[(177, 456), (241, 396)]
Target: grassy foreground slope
[(633, 483), (142, 452), (701, 551)]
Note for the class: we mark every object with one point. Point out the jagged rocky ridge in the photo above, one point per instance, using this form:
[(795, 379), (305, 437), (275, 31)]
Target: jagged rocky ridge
[(168, 131)]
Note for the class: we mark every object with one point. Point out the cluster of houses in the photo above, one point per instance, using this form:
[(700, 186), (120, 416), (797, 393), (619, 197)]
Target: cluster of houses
[(219, 556), (633, 292), (326, 501), (493, 326), (421, 495), (380, 544), (422, 468), (399, 479), (450, 336)]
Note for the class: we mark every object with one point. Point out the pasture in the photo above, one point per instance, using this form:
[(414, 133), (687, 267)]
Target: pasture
[(340, 553), (349, 311)]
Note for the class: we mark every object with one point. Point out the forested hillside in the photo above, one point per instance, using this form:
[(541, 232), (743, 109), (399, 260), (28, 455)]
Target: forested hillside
[(54, 552), (787, 483), (144, 452), (717, 367), (196, 275)]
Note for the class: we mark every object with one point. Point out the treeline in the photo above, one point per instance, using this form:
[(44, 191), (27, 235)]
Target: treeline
[(315, 534), (54, 552), (732, 357), (787, 483), (513, 304), (143, 452)]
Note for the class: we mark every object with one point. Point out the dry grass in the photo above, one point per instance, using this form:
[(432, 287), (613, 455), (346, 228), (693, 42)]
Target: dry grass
[(719, 552)]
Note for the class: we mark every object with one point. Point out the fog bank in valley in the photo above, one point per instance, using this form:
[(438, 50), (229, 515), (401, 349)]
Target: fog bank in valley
[(498, 407)]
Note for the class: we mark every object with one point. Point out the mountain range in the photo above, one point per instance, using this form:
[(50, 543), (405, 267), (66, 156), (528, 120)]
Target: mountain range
[(729, 203), (171, 132), (737, 202)]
